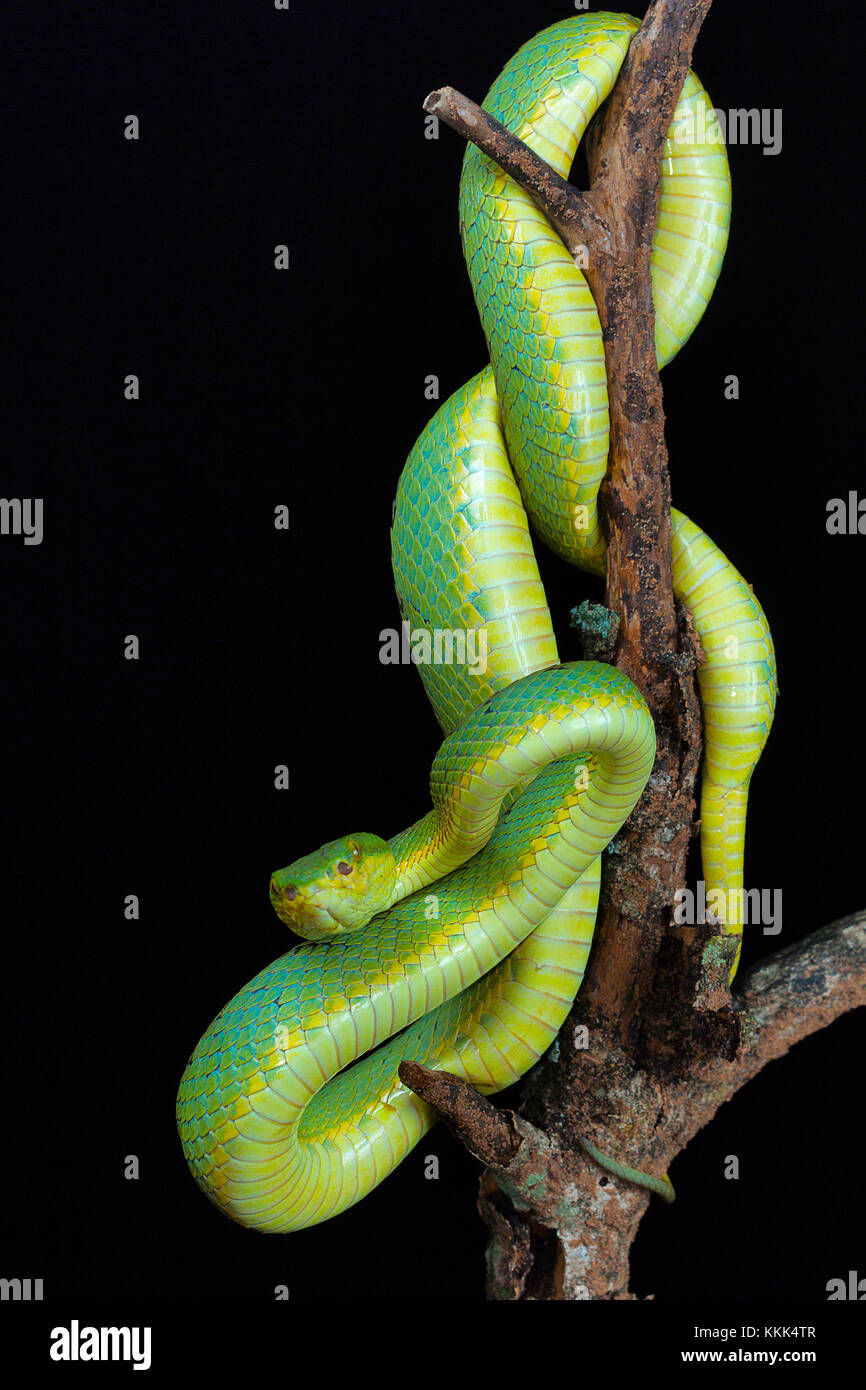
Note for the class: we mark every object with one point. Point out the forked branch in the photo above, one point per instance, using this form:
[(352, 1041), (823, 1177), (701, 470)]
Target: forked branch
[(669, 1042)]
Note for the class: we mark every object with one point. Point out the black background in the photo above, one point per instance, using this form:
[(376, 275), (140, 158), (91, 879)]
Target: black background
[(259, 647)]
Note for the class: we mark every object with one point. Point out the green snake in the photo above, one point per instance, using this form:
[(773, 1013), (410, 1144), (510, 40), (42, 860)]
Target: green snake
[(462, 941)]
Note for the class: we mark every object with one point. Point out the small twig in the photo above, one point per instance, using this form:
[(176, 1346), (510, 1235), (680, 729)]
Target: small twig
[(570, 212), (488, 1133)]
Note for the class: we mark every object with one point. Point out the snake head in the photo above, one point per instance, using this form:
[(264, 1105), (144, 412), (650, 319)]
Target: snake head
[(337, 889)]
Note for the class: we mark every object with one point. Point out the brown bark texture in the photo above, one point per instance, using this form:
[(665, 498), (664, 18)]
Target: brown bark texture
[(657, 1040)]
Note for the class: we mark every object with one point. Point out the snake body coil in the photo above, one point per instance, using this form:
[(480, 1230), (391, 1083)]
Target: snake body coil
[(484, 910)]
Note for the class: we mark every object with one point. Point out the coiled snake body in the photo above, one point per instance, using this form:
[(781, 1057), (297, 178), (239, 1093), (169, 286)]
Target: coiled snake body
[(484, 910)]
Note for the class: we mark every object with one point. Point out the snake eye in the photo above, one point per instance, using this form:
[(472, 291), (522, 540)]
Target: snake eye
[(290, 893), (343, 867)]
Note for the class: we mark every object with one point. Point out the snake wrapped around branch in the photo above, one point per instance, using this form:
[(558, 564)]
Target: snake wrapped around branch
[(462, 941)]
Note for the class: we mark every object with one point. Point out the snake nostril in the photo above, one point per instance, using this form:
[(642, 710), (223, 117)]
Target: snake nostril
[(289, 893)]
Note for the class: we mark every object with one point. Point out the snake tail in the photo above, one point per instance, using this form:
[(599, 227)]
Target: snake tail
[(662, 1187)]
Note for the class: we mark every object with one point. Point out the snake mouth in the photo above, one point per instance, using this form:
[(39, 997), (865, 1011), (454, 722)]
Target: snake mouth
[(321, 930)]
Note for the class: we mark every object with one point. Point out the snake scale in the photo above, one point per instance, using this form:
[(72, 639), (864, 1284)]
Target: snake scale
[(461, 942)]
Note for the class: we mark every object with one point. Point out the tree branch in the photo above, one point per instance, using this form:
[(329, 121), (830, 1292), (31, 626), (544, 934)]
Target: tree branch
[(782, 1000), (569, 211), (489, 1134), (615, 220), (668, 1044), (800, 990)]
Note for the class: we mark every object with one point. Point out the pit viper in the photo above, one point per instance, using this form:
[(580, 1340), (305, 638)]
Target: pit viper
[(461, 942)]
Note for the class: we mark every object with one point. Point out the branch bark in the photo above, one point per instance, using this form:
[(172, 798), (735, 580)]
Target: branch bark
[(570, 212), (561, 1227), (668, 1042), (489, 1134), (800, 990)]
